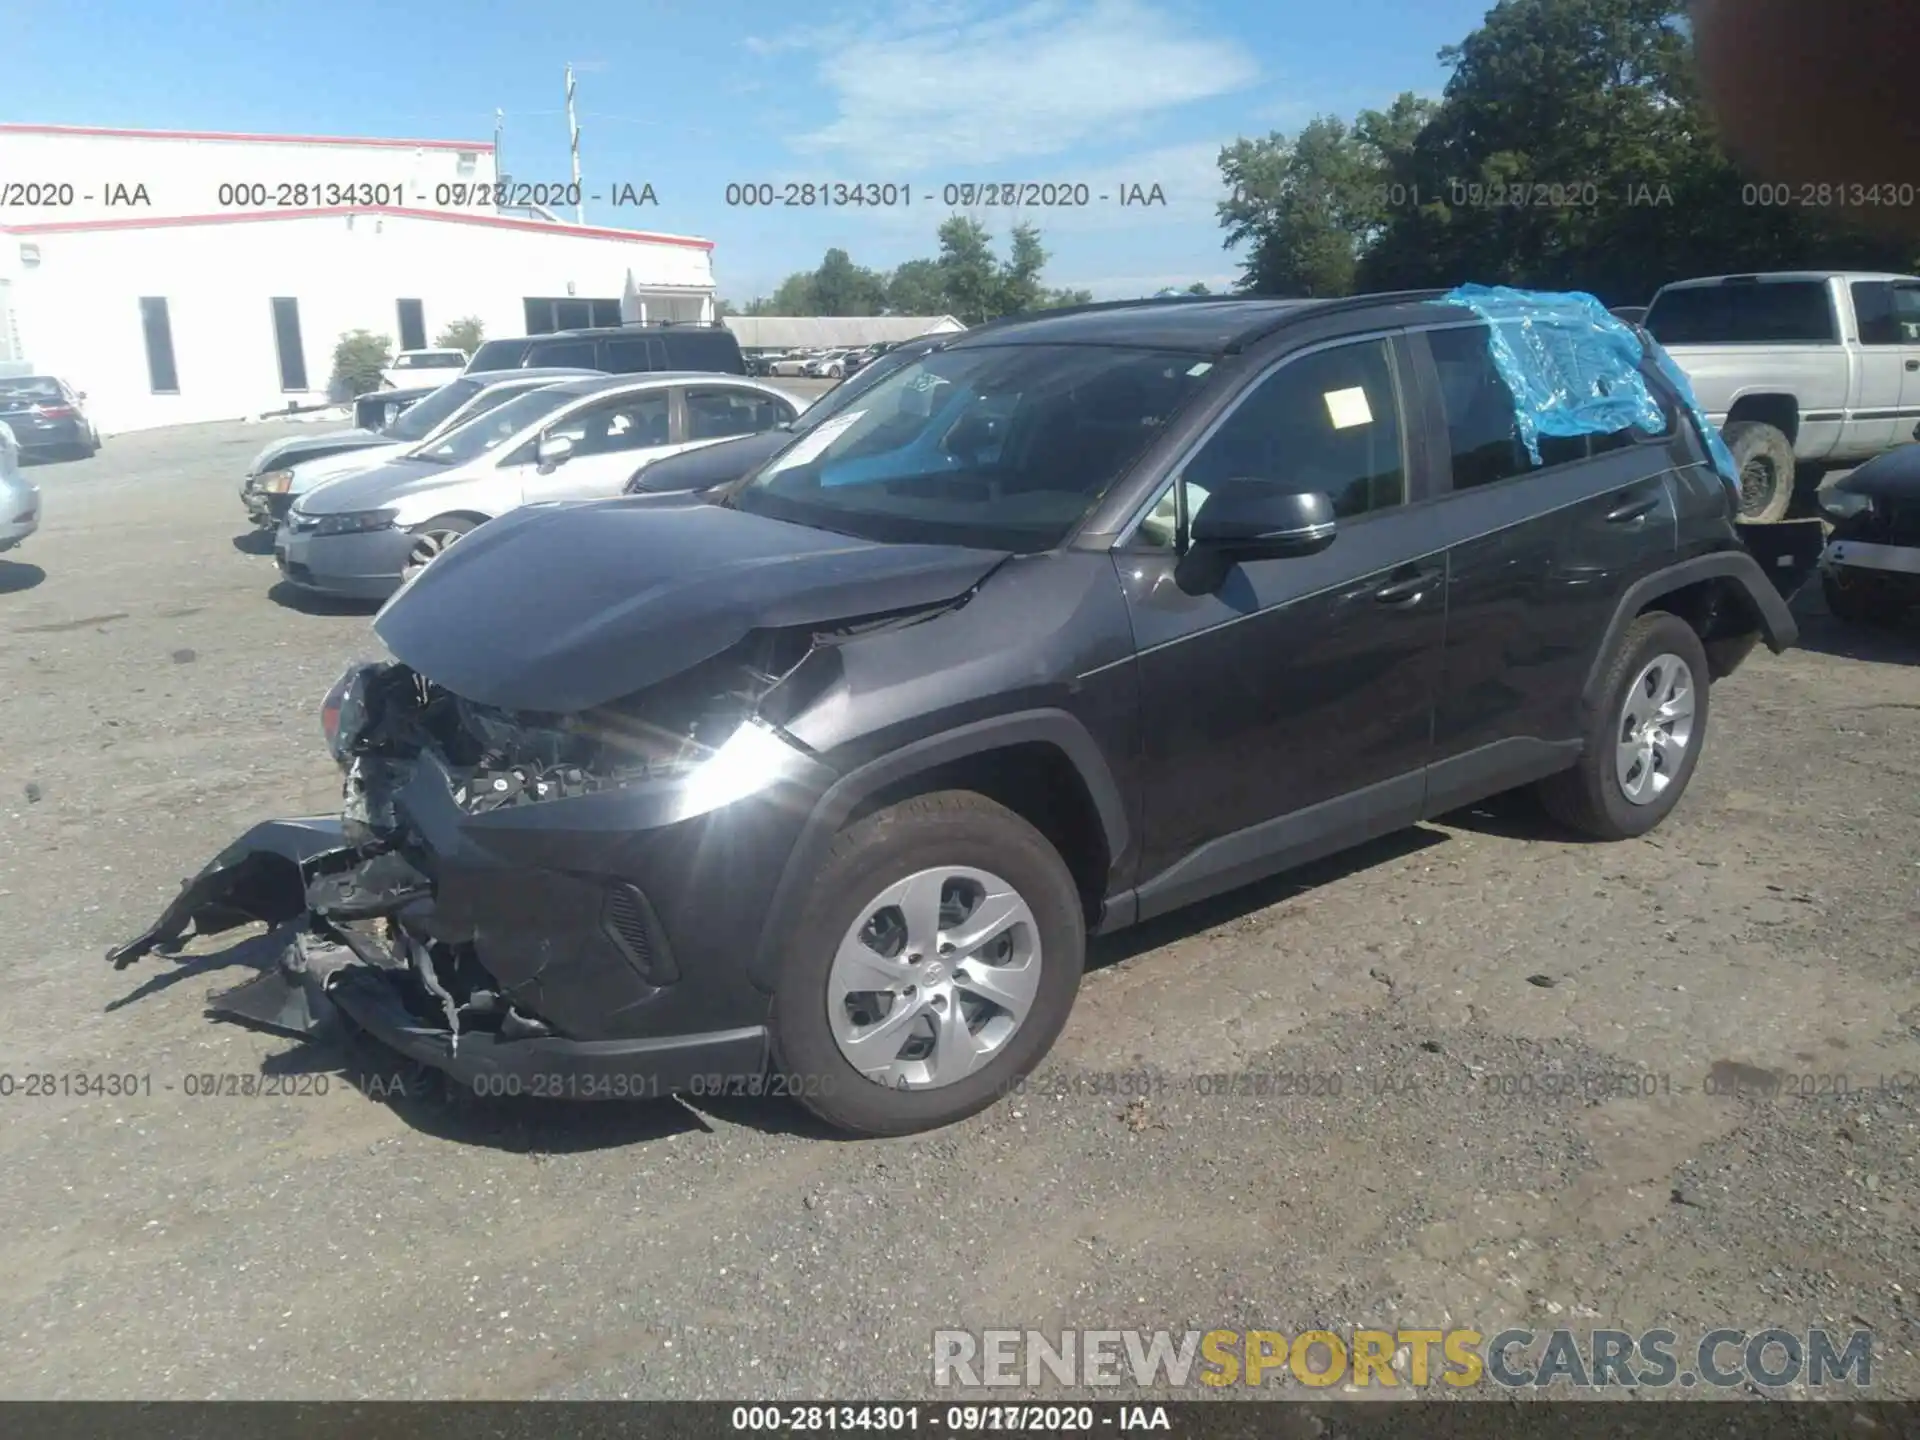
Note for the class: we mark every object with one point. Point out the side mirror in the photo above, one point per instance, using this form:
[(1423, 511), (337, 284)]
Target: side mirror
[(79, 394), (553, 450), (1247, 519)]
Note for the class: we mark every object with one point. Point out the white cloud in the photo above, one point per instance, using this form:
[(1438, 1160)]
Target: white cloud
[(945, 89)]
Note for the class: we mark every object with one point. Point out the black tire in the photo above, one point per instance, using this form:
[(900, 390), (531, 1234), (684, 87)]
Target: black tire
[(1764, 459), (1855, 599), (947, 827), (1589, 798)]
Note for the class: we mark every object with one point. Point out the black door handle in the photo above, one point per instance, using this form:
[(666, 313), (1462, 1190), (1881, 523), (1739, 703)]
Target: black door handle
[(1409, 591), (1913, 364), (1633, 510)]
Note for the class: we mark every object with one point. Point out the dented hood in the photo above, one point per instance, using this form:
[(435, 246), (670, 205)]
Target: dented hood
[(561, 608)]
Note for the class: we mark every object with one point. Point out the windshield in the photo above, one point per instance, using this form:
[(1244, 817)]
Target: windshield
[(1004, 447), (421, 418), (848, 391), (484, 432)]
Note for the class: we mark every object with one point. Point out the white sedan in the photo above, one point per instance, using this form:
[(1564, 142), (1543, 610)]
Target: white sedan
[(363, 534)]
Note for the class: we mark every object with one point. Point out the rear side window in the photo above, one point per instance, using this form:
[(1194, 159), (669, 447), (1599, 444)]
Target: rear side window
[(717, 414), (1767, 312), (1483, 433), (574, 354), (626, 356), (714, 350)]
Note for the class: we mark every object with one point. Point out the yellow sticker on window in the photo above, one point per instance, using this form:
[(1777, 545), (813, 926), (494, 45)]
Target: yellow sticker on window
[(1348, 408)]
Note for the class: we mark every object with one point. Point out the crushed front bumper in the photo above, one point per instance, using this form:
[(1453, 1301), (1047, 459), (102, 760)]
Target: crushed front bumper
[(590, 948)]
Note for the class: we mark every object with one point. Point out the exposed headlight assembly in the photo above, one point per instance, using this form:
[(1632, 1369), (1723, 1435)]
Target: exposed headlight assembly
[(354, 522), (274, 482)]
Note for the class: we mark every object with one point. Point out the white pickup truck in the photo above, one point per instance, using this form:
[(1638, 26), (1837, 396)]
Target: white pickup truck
[(1799, 369)]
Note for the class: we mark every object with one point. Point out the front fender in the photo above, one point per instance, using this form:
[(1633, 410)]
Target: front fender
[(1049, 727)]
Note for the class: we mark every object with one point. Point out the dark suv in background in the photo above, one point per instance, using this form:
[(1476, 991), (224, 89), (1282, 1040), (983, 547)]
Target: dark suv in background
[(619, 350), (818, 785)]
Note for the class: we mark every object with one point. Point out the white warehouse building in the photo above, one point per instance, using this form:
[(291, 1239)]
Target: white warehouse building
[(177, 277)]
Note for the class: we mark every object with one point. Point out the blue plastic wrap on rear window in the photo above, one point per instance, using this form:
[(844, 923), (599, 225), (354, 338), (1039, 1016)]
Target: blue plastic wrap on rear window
[(1574, 368)]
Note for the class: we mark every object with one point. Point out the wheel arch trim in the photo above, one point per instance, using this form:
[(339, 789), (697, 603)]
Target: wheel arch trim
[(1051, 727), (1775, 621)]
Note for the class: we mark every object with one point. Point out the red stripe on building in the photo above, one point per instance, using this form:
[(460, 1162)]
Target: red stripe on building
[(235, 217), (243, 137)]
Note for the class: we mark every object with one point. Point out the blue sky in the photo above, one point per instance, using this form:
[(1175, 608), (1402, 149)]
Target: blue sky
[(690, 97)]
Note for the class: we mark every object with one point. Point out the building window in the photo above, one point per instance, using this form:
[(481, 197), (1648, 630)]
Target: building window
[(413, 325), (545, 315), (286, 339), (161, 375)]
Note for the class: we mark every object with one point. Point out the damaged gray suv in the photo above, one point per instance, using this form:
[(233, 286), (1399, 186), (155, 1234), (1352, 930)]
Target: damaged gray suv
[(818, 784)]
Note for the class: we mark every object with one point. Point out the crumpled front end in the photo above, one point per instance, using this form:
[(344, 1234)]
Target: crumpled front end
[(542, 904)]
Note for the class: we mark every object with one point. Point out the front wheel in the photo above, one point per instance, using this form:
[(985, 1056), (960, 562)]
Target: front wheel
[(1644, 737), (432, 539), (933, 967)]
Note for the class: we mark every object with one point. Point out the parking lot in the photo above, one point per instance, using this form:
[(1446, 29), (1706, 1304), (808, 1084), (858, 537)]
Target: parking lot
[(1670, 1082)]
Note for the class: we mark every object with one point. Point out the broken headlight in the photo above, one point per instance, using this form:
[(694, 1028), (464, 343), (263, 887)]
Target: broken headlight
[(343, 714)]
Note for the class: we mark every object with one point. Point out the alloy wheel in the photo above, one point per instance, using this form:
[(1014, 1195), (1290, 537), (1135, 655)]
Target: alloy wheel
[(1656, 727), (934, 977), (428, 546)]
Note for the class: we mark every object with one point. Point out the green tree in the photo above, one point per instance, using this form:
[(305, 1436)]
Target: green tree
[(1571, 149), (839, 287), (1199, 287), (917, 287), (1302, 206), (793, 296), (723, 308), (465, 334), (969, 275), (358, 359)]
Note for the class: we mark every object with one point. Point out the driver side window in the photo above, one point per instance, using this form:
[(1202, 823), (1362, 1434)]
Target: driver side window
[(1327, 422)]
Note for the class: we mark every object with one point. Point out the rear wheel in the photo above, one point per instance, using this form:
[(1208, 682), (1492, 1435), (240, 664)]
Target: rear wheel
[(1644, 737), (431, 540), (1764, 458), (934, 966)]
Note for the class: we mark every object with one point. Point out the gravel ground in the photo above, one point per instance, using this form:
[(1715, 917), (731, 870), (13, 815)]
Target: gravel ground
[(158, 695)]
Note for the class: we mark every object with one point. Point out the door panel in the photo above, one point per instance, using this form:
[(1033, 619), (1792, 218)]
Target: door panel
[(1873, 423), (1538, 557), (1906, 320), (1298, 683)]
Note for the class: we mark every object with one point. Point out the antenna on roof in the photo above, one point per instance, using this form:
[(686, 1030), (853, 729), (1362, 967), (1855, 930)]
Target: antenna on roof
[(573, 134)]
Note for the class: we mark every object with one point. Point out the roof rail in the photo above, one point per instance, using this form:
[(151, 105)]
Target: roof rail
[(1285, 318), (1335, 306)]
